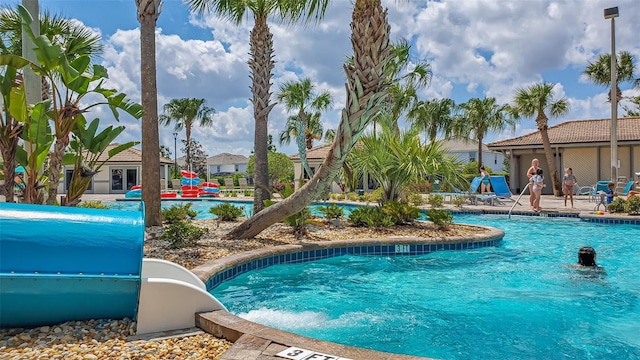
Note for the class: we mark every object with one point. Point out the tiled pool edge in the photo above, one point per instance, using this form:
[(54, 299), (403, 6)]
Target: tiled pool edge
[(213, 273), (226, 325)]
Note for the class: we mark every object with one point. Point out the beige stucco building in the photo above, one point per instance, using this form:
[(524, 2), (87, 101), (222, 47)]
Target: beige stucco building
[(583, 145), (118, 174)]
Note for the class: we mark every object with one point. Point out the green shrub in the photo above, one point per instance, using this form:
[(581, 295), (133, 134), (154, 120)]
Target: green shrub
[(248, 193), (353, 196), (227, 211), (233, 194), (93, 205), (332, 211), (337, 196), (370, 217), (416, 199), (181, 234), (617, 205), (178, 213), (458, 201), (632, 206), (400, 213), (299, 221), (440, 218), (373, 196), (435, 200)]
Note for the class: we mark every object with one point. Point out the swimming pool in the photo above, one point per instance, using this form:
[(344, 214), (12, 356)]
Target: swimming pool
[(202, 207), (518, 300)]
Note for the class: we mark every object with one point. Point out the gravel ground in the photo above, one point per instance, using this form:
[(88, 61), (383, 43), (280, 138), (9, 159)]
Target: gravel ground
[(107, 338)]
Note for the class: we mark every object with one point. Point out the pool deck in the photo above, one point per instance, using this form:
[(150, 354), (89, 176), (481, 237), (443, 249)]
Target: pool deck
[(549, 204)]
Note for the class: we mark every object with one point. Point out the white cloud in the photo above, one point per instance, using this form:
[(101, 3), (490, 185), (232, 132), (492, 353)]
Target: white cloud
[(493, 45)]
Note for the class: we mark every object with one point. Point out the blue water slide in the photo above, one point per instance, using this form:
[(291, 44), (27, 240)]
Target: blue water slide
[(62, 263)]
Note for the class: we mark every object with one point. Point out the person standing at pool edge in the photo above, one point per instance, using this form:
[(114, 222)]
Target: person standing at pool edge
[(485, 186), (535, 165), (568, 182)]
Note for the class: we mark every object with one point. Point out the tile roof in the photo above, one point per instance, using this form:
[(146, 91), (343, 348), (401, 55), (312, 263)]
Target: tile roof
[(579, 131), (227, 159), (129, 155), (455, 145), (317, 153)]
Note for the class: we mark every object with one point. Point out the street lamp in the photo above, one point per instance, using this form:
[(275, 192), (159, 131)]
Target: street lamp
[(612, 13), (175, 154)]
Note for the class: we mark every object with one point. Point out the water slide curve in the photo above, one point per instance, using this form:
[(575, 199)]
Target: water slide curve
[(60, 264)]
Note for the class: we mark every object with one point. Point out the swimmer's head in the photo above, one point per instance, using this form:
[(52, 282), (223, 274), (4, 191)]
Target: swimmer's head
[(587, 256)]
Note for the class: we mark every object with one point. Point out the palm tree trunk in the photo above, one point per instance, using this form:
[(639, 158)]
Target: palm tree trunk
[(366, 87), (261, 64), (55, 167), (9, 163), (187, 156), (541, 122), (479, 152), (148, 12)]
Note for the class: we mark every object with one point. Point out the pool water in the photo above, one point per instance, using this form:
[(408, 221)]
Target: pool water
[(516, 301), (202, 207)]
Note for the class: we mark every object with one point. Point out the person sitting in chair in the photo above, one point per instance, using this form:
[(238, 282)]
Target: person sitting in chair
[(635, 189)]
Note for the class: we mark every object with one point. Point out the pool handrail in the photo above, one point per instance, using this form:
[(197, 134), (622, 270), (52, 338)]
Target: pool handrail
[(518, 200)]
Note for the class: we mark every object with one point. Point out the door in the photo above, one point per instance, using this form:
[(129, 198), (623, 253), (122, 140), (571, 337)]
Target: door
[(123, 179)]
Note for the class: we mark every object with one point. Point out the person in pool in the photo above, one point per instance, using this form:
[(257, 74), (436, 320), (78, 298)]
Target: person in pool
[(587, 258)]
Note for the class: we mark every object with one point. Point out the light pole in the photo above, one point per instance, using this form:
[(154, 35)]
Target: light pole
[(612, 13), (175, 154)]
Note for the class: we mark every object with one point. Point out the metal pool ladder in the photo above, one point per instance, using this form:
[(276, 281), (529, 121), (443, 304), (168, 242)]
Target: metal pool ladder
[(518, 200)]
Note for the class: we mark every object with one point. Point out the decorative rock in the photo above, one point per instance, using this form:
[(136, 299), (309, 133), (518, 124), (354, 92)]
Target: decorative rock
[(44, 329)]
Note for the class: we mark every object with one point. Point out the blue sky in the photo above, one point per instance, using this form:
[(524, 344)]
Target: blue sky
[(476, 48)]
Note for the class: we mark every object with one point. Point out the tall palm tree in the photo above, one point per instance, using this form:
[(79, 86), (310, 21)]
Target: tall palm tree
[(184, 113), (368, 75), (261, 64), (433, 116), (148, 13), (538, 100), (305, 125), (75, 40), (481, 116), (599, 71)]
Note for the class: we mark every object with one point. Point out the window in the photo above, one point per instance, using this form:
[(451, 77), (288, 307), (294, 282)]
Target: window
[(68, 174), (236, 167), (495, 160), (472, 156)]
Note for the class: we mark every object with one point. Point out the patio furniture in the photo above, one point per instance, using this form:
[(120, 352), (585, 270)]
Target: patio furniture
[(501, 189), (601, 186)]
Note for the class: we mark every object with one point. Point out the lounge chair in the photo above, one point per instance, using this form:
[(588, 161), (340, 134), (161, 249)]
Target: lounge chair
[(487, 198), (597, 189), (627, 188), (501, 188), (244, 186)]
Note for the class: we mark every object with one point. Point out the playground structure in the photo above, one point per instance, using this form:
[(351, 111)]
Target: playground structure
[(191, 187), (62, 264)]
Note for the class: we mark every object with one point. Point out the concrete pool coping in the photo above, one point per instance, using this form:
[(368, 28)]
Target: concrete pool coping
[(255, 341)]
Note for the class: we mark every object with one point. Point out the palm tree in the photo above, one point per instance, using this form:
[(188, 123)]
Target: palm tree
[(368, 75), (433, 116), (599, 71), (394, 160), (537, 100), (148, 13), (75, 40), (184, 113), (479, 117), (406, 82), (261, 64), (305, 126)]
